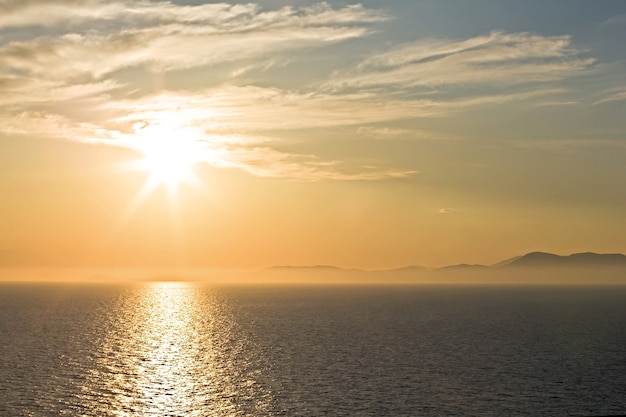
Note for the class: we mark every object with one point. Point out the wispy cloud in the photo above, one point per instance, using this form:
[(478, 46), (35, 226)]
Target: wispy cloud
[(558, 103), (385, 132), (268, 162), (69, 74), (164, 36), (230, 109), (60, 81), (497, 58), (218, 17), (190, 119), (615, 20), (615, 94)]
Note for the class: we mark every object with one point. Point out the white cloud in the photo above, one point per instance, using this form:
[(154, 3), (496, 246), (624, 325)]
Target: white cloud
[(218, 17), (230, 109), (161, 48), (64, 79), (230, 121), (165, 36), (497, 58), (199, 119), (60, 81)]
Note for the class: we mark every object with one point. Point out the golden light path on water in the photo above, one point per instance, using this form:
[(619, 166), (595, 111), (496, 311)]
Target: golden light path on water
[(170, 355)]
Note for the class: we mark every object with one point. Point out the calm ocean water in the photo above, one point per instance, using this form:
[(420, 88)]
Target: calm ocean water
[(187, 350)]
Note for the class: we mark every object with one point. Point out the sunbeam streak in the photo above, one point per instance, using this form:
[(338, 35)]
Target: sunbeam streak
[(169, 154)]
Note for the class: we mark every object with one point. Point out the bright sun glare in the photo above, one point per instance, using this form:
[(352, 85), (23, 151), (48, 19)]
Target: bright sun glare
[(169, 155), (167, 161), (169, 152)]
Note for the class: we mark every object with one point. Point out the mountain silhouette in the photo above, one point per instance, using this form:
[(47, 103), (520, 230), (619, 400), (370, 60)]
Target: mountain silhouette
[(590, 259), (532, 268), (531, 259)]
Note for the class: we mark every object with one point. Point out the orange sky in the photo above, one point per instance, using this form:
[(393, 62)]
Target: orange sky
[(241, 137)]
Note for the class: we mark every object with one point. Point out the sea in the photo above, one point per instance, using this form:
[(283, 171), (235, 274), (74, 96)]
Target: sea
[(188, 349)]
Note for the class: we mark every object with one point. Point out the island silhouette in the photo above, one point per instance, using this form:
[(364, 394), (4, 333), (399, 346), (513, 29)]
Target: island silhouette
[(532, 268)]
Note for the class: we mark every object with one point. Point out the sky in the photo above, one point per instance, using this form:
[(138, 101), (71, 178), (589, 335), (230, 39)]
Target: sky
[(195, 134)]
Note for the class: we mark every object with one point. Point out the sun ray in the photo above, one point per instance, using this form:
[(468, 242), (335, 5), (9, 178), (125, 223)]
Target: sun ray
[(169, 153), (144, 192)]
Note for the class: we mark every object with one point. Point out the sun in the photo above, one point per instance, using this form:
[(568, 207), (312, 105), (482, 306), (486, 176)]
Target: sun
[(169, 150), (168, 162), (168, 154)]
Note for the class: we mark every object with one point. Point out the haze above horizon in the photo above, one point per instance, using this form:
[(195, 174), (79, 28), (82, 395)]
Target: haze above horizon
[(371, 135)]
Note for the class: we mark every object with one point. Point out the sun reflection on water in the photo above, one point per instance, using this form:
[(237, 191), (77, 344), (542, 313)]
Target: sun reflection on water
[(164, 380), (161, 359)]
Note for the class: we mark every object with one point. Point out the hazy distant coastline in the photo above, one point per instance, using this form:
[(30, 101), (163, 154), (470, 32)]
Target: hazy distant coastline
[(535, 268), (531, 259), (531, 268)]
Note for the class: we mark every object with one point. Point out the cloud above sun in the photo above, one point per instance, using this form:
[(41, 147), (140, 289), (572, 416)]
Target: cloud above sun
[(92, 71)]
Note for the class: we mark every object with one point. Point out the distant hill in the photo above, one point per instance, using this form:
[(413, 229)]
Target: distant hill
[(536, 259), (531, 268), (463, 267), (543, 259)]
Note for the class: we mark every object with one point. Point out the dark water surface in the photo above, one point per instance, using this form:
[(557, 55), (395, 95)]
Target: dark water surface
[(187, 350)]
